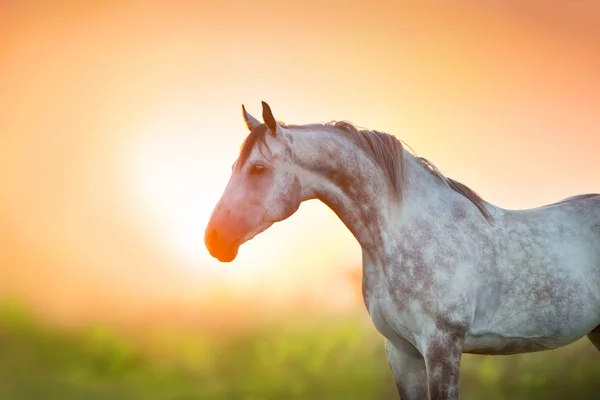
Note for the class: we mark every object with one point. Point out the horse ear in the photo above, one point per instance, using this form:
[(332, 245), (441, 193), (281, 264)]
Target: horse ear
[(269, 119), (250, 121)]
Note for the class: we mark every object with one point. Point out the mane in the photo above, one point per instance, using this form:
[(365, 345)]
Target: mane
[(383, 149), (458, 187), (255, 138)]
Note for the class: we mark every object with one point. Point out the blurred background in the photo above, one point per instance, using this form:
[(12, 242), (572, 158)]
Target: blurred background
[(119, 122)]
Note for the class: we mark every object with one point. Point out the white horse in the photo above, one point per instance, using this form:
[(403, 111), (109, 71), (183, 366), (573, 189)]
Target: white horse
[(444, 272)]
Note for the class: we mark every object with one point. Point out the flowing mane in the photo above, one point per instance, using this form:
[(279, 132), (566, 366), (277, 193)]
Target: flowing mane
[(384, 149)]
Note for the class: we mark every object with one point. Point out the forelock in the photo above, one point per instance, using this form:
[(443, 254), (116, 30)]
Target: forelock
[(257, 137)]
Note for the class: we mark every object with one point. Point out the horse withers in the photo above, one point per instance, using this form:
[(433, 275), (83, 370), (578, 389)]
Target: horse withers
[(444, 272)]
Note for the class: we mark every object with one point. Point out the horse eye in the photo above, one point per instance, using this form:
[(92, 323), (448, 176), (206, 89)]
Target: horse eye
[(257, 169)]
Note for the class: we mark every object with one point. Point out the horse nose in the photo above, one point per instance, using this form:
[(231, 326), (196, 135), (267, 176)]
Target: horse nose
[(211, 238), (219, 247)]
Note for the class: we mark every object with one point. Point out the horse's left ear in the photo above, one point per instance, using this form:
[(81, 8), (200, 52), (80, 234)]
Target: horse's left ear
[(270, 121), (250, 121)]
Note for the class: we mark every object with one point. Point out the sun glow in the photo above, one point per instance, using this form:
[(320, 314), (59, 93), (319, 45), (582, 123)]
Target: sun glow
[(176, 177), (175, 183)]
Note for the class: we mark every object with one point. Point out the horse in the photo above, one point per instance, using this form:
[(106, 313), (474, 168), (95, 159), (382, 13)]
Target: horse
[(444, 271)]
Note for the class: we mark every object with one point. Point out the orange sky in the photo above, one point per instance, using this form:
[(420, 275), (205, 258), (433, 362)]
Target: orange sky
[(119, 124)]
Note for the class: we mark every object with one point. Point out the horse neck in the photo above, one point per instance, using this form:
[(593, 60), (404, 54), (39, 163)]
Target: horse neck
[(358, 190), (424, 193)]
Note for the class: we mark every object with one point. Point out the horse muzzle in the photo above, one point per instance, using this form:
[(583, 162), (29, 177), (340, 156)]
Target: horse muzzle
[(225, 233), (221, 246)]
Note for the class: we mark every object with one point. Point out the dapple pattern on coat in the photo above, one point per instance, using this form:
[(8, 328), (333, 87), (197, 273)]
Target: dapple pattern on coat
[(444, 272)]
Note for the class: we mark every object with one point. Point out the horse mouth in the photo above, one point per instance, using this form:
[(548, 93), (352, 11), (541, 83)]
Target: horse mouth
[(222, 250), (226, 254)]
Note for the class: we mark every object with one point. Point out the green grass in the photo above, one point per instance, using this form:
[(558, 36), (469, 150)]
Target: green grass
[(334, 359)]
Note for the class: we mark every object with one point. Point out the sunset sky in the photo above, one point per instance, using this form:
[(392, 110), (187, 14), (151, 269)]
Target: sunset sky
[(119, 124)]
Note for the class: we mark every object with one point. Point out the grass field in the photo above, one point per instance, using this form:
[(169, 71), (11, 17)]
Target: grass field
[(312, 359)]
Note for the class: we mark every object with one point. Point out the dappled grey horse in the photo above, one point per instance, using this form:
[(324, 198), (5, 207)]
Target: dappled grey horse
[(444, 272)]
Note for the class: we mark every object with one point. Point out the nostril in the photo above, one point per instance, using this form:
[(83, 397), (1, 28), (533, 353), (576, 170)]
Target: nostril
[(211, 237)]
